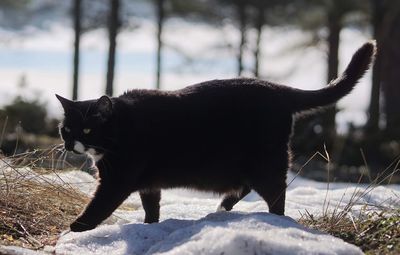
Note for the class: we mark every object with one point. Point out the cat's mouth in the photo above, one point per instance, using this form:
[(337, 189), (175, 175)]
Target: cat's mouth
[(79, 148)]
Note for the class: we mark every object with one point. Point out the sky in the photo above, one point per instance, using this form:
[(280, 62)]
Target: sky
[(192, 54)]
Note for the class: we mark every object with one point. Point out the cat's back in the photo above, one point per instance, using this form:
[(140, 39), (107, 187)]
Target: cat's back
[(238, 93), (231, 95), (229, 86), (211, 88)]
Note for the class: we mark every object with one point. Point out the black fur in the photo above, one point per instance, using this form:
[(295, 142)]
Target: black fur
[(225, 136)]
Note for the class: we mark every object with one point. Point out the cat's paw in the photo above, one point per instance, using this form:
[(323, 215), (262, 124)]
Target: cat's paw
[(221, 208), (78, 226), (150, 220)]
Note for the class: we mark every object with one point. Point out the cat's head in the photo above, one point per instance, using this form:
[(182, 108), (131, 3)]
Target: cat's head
[(84, 128)]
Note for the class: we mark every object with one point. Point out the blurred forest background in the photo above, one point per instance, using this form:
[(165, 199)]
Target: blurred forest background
[(243, 30)]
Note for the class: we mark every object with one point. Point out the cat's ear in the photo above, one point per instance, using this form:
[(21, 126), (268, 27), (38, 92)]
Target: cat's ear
[(66, 103), (104, 106)]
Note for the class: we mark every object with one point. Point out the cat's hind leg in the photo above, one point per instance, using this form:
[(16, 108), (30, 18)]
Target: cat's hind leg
[(272, 188), (230, 199), (269, 181), (151, 205), (274, 195)]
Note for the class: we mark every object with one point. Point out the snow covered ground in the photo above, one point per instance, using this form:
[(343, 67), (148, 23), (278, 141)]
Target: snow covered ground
[(190, 225)]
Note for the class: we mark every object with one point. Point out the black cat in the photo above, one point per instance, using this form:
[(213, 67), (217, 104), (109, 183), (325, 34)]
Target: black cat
[(225, 136)]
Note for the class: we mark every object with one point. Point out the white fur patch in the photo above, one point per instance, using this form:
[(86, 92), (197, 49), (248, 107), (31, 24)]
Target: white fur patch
[(93, 153), (78, 146), (221, 209)]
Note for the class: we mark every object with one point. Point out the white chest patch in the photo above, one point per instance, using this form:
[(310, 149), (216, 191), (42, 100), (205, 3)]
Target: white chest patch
[(94, 154), (78, 146)]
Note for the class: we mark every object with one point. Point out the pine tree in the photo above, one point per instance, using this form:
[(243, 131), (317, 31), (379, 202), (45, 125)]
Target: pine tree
[(113, 27), (77, 13)]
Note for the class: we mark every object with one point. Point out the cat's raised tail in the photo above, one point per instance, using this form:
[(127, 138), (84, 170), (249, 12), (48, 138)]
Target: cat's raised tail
[(360, 62)]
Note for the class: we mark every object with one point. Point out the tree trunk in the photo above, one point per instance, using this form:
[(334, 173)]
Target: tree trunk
[(390, 69), (334, 27), (77, 13), (160, 24), (328, 117), (113, 24), (241, 9), (259, 26), (373, 110)]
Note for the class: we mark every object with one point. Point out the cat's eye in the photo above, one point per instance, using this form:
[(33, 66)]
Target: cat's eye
[(67, 129), (86, 130)]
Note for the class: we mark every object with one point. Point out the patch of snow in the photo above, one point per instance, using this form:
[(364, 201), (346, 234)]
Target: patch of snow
[(15, 250), (189, 224), (217, 233), (80, 180)]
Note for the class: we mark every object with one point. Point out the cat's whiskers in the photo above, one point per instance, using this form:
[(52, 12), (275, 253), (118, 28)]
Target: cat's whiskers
[(59, 158), (56, 147), (65, 157)]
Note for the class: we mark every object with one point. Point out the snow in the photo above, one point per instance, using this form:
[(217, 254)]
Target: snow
[(15, 250), (217, 233), (190, 225)]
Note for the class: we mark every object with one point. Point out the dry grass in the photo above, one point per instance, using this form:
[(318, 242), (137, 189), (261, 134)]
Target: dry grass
[(374, 233), (34, 209), (375, 229)]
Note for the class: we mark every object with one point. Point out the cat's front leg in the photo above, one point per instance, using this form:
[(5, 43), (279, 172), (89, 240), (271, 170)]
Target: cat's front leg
[(106, 199)]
